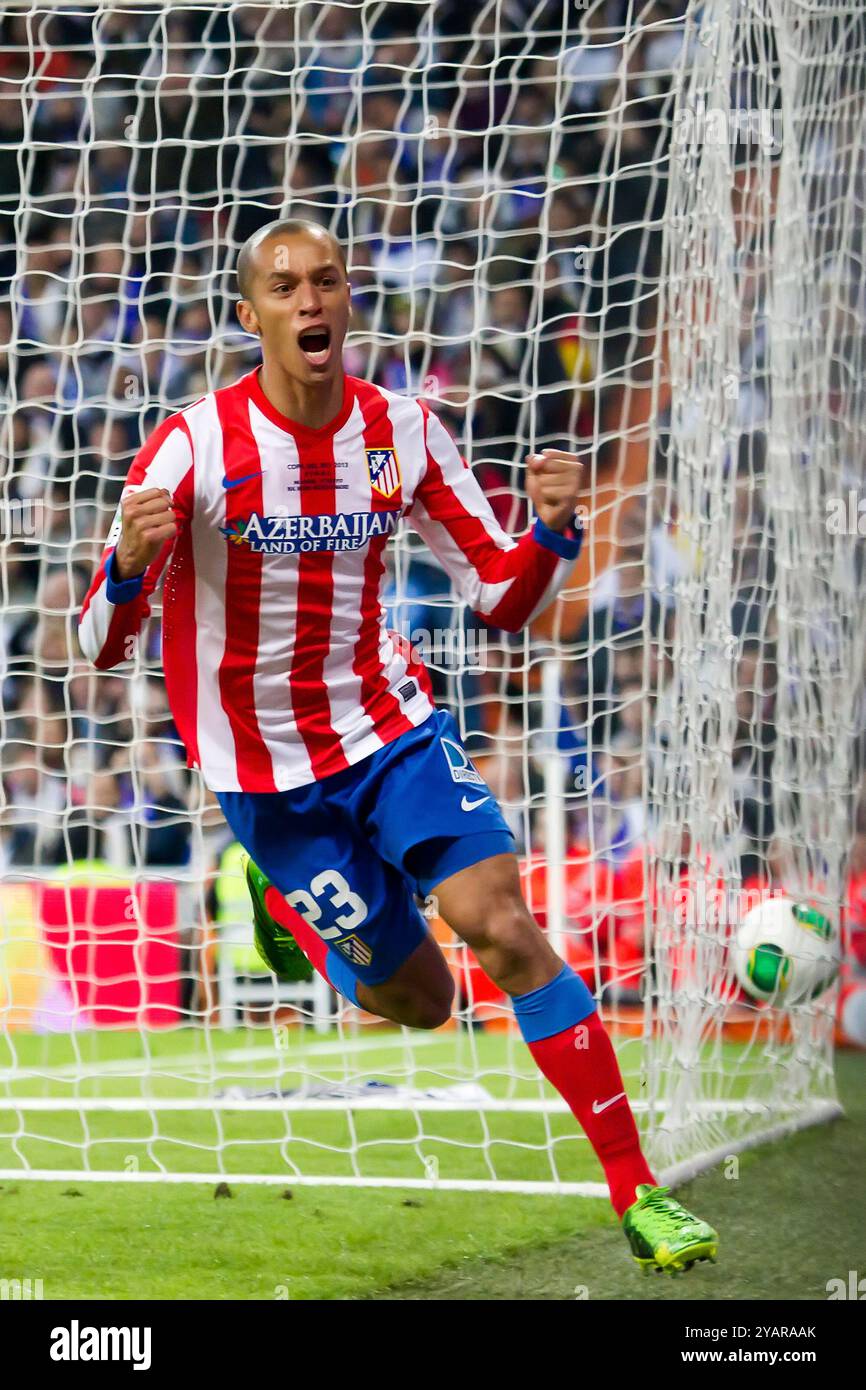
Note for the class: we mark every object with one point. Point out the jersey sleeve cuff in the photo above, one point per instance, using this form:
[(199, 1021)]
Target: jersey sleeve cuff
[(120, 590), (566, 544)]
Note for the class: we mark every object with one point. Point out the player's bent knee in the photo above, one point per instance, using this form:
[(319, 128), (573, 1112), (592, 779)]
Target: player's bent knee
[(438, 1002), (427, 1009), (432, 1013)]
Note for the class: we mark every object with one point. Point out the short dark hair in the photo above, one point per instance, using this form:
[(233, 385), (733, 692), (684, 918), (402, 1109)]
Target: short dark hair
[(288, 226)]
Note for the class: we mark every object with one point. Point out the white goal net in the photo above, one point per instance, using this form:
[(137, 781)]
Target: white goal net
[(630, 228)]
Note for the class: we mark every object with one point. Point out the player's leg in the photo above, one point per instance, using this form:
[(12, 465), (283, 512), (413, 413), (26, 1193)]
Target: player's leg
[(418, 993), (429, 813), (427, 810), (323, 898), (557, 1015), (555, 1010)]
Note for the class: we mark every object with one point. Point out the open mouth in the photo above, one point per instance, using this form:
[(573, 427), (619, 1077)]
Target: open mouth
[(315, 344)]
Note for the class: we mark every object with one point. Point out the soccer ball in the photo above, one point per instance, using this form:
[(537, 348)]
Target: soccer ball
[(786, 952)]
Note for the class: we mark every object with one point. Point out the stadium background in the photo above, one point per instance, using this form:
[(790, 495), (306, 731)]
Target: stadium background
[(138, 148), (153, 145)]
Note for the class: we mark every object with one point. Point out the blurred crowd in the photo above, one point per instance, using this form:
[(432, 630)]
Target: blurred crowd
[(497, 175)]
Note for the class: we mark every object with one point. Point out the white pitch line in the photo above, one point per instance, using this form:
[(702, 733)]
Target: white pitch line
[(817, 1112), (281, 1105), (340, 1104), (528, 1189)]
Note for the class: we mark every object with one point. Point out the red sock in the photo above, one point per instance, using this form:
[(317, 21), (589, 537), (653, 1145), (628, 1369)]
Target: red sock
[(312, 945), (587, 1076)]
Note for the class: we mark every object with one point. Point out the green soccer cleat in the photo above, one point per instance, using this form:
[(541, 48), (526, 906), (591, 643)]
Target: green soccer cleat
[(277, 947), (663, 1235)]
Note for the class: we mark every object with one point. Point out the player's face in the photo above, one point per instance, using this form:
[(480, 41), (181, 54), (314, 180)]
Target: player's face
[(300, 305)]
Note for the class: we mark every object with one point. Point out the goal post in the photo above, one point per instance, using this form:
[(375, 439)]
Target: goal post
[(548, 222), (754, 245)]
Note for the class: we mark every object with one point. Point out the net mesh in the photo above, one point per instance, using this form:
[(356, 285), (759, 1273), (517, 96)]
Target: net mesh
[(764, 307), (628, 229)]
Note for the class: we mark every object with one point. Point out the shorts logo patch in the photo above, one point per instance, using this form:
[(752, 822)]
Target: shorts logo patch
[(407, 691), (458, 762), (355, 950), (384, 470)]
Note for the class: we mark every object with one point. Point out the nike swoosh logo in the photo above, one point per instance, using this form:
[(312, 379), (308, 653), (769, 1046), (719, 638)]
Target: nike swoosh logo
[(599, 1105), (229, 483), (467, 805)]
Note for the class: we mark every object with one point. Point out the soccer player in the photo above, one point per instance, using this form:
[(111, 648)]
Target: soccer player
[(268, 504)]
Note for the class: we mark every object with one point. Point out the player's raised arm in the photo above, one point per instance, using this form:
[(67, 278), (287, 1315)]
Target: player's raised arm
[(504, 581), (156, 501)]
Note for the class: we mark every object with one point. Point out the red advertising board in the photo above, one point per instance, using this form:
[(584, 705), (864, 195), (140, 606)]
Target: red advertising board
[(116, 947)]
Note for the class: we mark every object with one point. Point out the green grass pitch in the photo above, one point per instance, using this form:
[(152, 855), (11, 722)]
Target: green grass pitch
[(98, 1240)]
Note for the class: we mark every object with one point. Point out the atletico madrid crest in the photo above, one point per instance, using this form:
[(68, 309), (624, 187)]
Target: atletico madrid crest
[(354, 949), (384, 471)]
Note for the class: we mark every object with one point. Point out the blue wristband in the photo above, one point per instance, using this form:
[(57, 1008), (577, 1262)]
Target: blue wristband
[(120, 590), (566, 547)]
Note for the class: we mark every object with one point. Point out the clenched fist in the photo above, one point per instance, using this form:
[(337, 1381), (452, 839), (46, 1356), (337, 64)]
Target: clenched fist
[(147, 522), (553, 486)]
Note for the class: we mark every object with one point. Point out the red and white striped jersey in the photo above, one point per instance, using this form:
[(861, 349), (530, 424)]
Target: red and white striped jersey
[(279, 666)]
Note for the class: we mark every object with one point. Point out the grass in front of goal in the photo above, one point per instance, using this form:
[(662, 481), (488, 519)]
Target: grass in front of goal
[(190, 1066), (791, 1219), (116, 1241), (104, 1241)]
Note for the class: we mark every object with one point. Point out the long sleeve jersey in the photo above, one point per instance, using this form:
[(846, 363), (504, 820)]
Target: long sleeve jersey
[(279, 665)]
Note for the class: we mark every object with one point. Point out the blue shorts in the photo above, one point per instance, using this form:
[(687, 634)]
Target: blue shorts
[(351, 851)]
